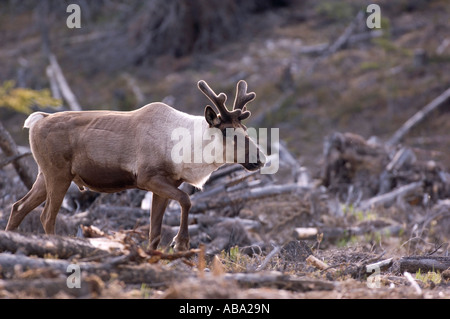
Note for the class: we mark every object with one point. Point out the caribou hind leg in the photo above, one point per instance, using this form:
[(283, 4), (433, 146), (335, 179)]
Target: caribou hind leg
[(30, 201)]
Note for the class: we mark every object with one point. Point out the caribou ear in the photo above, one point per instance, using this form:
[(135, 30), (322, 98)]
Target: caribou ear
[(211, 117)]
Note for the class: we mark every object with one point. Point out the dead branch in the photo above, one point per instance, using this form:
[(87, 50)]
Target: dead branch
[(334, 233), (306, 232), (404, 156), (224, 171), (439, 210), (381, 265), (413, 283), (12, 159), (340, 42), (320, 48), (319, 264), (222, 187), (387, 198), (418, 117), (345, 36), (202, 204), (9, 148), (268, 257)]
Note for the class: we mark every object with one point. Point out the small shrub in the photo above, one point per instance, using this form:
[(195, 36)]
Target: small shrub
[(23, 99)]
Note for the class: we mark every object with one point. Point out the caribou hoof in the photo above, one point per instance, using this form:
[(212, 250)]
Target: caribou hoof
[(180, 244)]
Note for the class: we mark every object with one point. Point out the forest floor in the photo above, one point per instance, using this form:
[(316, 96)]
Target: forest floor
[(253, 248)]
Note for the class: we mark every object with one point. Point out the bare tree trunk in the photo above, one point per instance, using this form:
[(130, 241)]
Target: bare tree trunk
[(9, 148), (63, 85)]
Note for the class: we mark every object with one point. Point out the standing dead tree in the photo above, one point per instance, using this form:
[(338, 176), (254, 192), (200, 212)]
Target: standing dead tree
[(57, 77), (9, 148)]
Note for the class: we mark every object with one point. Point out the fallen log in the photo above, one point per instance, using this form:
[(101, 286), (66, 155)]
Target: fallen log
[(223, 187), (390, 197), (224, 199), (418, 117), (345, 36), (50, 287), (340, 42), (152, 275), (414, 264), (279, 281), (44, 245)]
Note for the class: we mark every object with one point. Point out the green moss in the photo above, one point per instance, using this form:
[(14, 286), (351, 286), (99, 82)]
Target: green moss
[(334, 11), (369, 66)]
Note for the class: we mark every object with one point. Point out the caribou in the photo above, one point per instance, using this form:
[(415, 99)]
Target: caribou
[(111, 151)]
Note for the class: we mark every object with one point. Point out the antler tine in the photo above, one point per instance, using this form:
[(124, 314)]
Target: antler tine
[(242, 97), (217, 100)]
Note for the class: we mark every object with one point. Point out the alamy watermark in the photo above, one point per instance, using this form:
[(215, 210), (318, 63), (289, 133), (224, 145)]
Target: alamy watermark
[(74, 279), (74, 19), (233, 145), (374, 280), (373, 20)]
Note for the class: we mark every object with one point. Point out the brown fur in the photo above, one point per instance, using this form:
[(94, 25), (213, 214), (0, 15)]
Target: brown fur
[(108, 151)]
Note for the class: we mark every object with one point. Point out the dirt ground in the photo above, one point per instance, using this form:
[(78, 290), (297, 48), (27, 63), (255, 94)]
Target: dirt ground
[(257, 247), (238, 259)]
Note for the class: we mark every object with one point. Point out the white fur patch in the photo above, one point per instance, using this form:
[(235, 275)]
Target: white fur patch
[(33, 118)]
